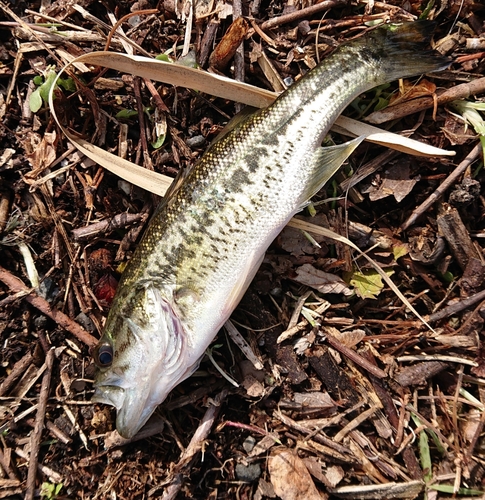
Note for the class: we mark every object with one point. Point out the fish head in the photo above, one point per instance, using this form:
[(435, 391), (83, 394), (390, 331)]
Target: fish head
[(141, 357)]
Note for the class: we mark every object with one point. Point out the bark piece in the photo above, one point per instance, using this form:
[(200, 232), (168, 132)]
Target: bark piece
[(227, 47), (472, 280), (456, 234), (419, 373), (335, 379)]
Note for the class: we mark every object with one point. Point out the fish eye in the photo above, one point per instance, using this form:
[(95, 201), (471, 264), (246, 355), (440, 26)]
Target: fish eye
[(103, 355)]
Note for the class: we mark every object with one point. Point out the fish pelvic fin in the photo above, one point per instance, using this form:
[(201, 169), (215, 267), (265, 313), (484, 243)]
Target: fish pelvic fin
[(326, 162)]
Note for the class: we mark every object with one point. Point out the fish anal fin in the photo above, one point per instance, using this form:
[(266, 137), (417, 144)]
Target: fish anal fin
[(326, 161)]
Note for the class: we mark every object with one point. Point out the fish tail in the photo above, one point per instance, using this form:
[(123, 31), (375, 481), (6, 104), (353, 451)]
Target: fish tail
[(403, 49)]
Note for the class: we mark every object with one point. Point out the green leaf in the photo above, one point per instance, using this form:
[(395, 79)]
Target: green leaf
[(381, 103), (67, 84), (425, 456), (46, 86), (50, 491), (126, 114), (399, 251), (35, 101), (448, 488), (159, 142), (367, 283), (447, 277), (163, 57)]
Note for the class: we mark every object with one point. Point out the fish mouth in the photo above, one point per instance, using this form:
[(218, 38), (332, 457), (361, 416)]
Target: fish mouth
[(133, 407)]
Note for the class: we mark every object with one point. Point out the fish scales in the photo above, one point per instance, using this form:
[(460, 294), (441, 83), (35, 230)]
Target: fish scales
[(244, 177), (204, 245)]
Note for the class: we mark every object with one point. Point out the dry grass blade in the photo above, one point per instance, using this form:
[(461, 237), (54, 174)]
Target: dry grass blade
[(147, 179), (398, 142), (312, 228), (182, 76), (219, 86)]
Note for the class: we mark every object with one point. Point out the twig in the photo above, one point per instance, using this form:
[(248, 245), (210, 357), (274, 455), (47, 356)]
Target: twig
[(54, 431), (303, 13), (4, 209), (39, 426), (457, 307), (354, 423), (156, 97), (476, 435), (17, 370), (239, 55), (44, 307), (452, 178), (247, 427), (330, 447), (5, 463), (355, 357), (118, 23), (105, 226), (53, 476), (398, 111), (182, 467)]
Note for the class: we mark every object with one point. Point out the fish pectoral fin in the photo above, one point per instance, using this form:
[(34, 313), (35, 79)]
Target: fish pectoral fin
[(326, 161), (242, 284)]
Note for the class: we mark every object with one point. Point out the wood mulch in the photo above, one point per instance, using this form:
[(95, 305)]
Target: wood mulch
[(359, 400)]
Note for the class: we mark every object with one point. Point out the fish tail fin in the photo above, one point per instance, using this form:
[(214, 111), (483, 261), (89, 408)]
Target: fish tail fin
[(403, 50)]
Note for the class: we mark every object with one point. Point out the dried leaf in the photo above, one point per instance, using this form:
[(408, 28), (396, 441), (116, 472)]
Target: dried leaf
[(396, 181), (349, 338), (229, 43), (312, 228), (291, 479), (411, 90), (321, 281), (376, 135)]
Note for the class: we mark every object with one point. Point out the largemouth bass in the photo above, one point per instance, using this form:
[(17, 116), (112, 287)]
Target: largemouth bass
[(205, 243)]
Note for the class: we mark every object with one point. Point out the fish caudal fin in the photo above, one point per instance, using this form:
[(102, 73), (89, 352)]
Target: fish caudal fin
[(403, 49)]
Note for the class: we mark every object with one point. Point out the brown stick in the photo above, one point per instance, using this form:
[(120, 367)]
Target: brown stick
[(195, 445), (355, 357), (44, 307), (451, 226), (452, 178), (54, 431), (299, 14), (39, 426), (5, 463), (17, 370), (456, 307), (105, 226), (4, 209), (462, 91)]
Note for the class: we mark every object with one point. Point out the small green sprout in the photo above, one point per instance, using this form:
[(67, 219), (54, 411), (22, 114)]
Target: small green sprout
[(41, 94), (50, 491)]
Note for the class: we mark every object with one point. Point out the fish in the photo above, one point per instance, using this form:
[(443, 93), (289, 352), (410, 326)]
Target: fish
[(206, 240)]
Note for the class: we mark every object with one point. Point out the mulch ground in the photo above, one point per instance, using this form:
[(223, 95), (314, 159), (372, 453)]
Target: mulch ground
[(361, 399)]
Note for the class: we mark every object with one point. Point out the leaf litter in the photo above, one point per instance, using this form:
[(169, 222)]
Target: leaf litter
[(353, 379)]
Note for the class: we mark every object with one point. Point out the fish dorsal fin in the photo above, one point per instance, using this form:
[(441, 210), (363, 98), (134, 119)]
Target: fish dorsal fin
[(326, 161)]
